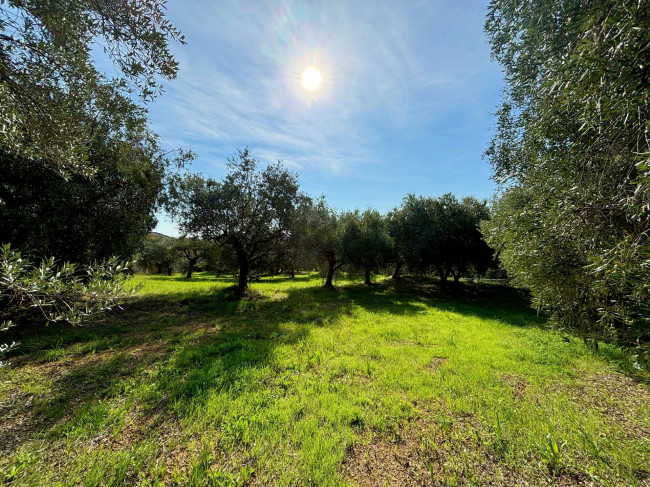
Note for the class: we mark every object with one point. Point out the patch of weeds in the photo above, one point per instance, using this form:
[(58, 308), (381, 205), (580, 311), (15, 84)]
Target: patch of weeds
[(313, 360), (430, 455), (89, 421), (284, 383), (220, 478), (498, 444), (368, 369), (591, 445), (55, 353), (204, 471), (552, 454), (236, 429), (20, 462), (445, 424)]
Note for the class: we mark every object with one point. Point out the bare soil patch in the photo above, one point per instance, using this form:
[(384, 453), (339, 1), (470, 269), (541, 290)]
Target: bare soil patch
[(436, 362), (518, 384), (380, 462)]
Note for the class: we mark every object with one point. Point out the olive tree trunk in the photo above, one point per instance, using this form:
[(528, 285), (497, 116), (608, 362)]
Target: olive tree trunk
[(331, 267), (244, 265), (368, 282), (398, 271)]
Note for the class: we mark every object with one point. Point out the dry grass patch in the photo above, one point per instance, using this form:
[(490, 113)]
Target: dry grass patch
[(380, 462)]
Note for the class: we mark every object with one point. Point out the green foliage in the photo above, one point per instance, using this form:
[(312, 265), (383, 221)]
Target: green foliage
[(250, 211), (298, 251), (53, 293), (49, 84), (572, 151), (552, 454), (84, 219), (160, 253), (366, 241), (191, 251), (441, 234), (396, 221), (326, 237)]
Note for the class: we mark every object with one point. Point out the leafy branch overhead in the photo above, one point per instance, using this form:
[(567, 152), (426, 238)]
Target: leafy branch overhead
[(50, 86)]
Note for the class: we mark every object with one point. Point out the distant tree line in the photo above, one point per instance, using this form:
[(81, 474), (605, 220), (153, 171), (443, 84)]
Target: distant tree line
[(260, 219)]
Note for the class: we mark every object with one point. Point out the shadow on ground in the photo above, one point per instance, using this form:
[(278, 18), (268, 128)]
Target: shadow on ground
[(202, 342)]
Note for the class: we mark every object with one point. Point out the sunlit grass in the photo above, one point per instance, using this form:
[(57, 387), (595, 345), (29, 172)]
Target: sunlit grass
[(301, 385)]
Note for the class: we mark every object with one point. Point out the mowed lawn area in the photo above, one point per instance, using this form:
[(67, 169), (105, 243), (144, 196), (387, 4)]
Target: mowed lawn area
[(393, 384)]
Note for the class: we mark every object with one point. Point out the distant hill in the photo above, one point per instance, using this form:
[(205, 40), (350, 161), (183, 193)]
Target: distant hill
[(159, 235)]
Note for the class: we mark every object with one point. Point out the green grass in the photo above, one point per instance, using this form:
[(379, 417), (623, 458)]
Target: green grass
[(393, 384)]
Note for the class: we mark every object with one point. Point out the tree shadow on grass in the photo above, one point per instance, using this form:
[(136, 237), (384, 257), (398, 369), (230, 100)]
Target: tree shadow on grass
[(197, 342), (487, 301), (211, 277), (198, 277)]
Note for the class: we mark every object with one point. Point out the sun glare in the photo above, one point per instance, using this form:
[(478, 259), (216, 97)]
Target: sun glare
[(311, 78)]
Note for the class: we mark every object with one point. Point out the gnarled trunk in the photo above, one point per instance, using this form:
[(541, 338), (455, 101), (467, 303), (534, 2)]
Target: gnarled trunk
[(368, 282), (242, 284), (330, 273), (190, 268), (398, 270)]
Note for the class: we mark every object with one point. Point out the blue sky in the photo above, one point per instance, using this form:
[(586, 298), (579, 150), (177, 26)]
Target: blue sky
[(405, 105)]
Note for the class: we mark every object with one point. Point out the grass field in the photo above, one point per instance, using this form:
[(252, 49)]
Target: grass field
[(393, 384)]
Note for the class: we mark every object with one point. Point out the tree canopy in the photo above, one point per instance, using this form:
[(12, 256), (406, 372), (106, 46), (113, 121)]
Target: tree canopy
[(572, 151), (80, 218), (326, 237), (250, 211), (49, 84), (441, 235), (366, 241)]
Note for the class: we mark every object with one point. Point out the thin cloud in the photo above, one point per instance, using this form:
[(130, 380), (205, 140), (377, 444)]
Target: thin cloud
[(405, 105), (239, 77)]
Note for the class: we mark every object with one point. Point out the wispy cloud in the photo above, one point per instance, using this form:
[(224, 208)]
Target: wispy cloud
[(385, 71)]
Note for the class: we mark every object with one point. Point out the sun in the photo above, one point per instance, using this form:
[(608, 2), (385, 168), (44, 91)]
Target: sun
[(311, 78)]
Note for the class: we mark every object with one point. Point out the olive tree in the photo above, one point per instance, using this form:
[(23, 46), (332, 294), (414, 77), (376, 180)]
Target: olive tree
[(441, 235), (191, 251), (79, 218), (56, 292), (573, 154), (249, 211), (49, 83), (366, 241), (326, 238), (396, 224), (472, 253), (160, 251), (297, 251)]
